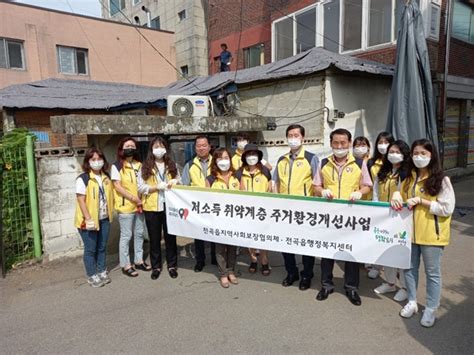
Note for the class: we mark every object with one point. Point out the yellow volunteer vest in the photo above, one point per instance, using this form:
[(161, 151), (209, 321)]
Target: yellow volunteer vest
[(349, 181), (151, 201), (428, 228), (196, 175), (296, 179), (217, 182), (237, 160), (258, 182), (128, 179), (93, 198), (374, 169), (388, 187)]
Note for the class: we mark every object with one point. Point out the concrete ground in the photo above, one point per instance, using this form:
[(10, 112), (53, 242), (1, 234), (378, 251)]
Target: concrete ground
[(50, 309)]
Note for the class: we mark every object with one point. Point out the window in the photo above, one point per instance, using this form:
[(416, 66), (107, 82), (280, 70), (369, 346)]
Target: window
[(155, 23), (380, 22), (331, 26), (284, 39), (254, 56), (72, 60), (463, 21), (182, 15), (352, 24), (11, 54), (185, 71), (115, 6), (135, 2)]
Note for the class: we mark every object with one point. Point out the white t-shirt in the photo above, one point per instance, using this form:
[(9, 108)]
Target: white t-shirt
[(81, 190), (115, 174)]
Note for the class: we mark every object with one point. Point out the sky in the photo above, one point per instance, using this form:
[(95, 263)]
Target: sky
[(83, 7)]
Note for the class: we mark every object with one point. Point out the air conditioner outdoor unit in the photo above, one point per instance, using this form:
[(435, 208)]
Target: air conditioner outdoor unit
[(188, 106)]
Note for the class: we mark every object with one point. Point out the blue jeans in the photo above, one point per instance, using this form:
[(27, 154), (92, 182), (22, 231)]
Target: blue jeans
[(131, 224), (432, 261), (95, 248)]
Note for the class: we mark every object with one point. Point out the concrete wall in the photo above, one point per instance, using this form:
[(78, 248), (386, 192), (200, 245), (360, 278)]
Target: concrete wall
[(116, 52)]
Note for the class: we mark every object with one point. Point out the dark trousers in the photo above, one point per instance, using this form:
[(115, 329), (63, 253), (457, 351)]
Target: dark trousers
[(156, 224), (351, 274), (292, 269), (199, 247), (226, 258)]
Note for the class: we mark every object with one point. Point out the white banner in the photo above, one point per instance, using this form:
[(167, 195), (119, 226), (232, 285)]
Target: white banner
[(364, 232)]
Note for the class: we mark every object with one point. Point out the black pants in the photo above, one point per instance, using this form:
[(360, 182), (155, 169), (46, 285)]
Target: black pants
[(351, 274), (156, 223), (199, 247), (292, 269)]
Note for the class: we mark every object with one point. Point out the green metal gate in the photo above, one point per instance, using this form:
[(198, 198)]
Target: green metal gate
[(20, 232)]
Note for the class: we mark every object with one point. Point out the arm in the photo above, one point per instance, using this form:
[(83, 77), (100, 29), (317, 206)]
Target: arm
[(318, 183), (81, 199), (445, 202), (207, 184), (375, 196), (185, 178), (275, 182), (128, 195), (143, 188)]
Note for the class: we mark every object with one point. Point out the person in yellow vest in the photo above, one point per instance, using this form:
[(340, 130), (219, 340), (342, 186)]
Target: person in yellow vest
[(255, 177), (361, 148), (383, 140), (158, 173), (387, 184), (194, 174), (222, 177), (293, 175), (344, 177), (429, 193), (242, 139), (94, 209), (128, 205)]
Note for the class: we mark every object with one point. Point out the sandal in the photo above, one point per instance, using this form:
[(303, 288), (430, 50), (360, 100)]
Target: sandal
[(233, 280), (224, 282), (266, 270), (130, 272), (143, 266), (253, 267)]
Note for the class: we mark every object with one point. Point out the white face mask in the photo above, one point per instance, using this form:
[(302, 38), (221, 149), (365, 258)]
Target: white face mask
[(96, 164), (421, 161), (395, 158), (224, 164), (251, 160), (340, 153), (360, 152), (159, 152), (294, 142), (382, 148), (241, 144)]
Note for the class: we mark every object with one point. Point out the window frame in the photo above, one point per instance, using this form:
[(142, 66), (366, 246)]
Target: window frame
[(246, 50), (461, 38), (7, 55), (75, 50), (136, 2), (121, 2)]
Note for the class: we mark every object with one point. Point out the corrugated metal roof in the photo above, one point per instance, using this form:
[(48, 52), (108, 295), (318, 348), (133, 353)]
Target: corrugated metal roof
[(90, 95)]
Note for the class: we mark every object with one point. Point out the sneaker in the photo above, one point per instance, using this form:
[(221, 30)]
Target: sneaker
[(385, 288), (95, 281), (104, 277), (373, 273), (401, 295), (409, 310), (428, 318)]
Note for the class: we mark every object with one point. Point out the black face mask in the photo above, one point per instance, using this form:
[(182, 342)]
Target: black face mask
[(129, 152)]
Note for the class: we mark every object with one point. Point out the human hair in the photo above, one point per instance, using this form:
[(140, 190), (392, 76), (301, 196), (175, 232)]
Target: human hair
[(149, 163), (387, 166), (361, 139), (224, 45), (295, 126), (242, 136), (218, 153), (201, 136), (86, 167), (389, 137), (120, 155), (435, 178), (341, 132)]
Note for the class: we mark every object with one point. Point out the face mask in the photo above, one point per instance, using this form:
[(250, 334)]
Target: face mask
[(241, 144), (340, 153), (382, 148), (129, 152), (294, 142), (159, 152), (421, 161), (360, 152), (96, 164), (251, 160), (395, 158), (224, 165)]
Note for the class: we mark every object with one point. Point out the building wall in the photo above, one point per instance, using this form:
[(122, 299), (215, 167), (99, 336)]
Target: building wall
[(116, 52), (190, 34)]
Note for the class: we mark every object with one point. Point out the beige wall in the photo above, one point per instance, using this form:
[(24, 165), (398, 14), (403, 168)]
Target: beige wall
[(117, 53)]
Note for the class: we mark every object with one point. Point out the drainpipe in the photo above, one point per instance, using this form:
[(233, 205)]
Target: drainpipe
[(449, 11), (30, 161), (148, 16)]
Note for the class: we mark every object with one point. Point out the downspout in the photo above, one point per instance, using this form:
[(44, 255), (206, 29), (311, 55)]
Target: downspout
[(449, 10), (30, 161), (148, 16)]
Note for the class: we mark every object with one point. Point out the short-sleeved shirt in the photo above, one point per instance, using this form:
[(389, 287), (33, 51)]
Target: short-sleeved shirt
[(81, 190), (115, 174), (225, 57)]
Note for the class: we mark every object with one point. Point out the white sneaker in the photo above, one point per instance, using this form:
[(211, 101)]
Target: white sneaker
[(104, 277), (401, 295), (95, 281), (373, 273), (385, 288), (428, 318), (409, 310)]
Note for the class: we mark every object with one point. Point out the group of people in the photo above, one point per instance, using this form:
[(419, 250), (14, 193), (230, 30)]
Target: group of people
[(395, 173)]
